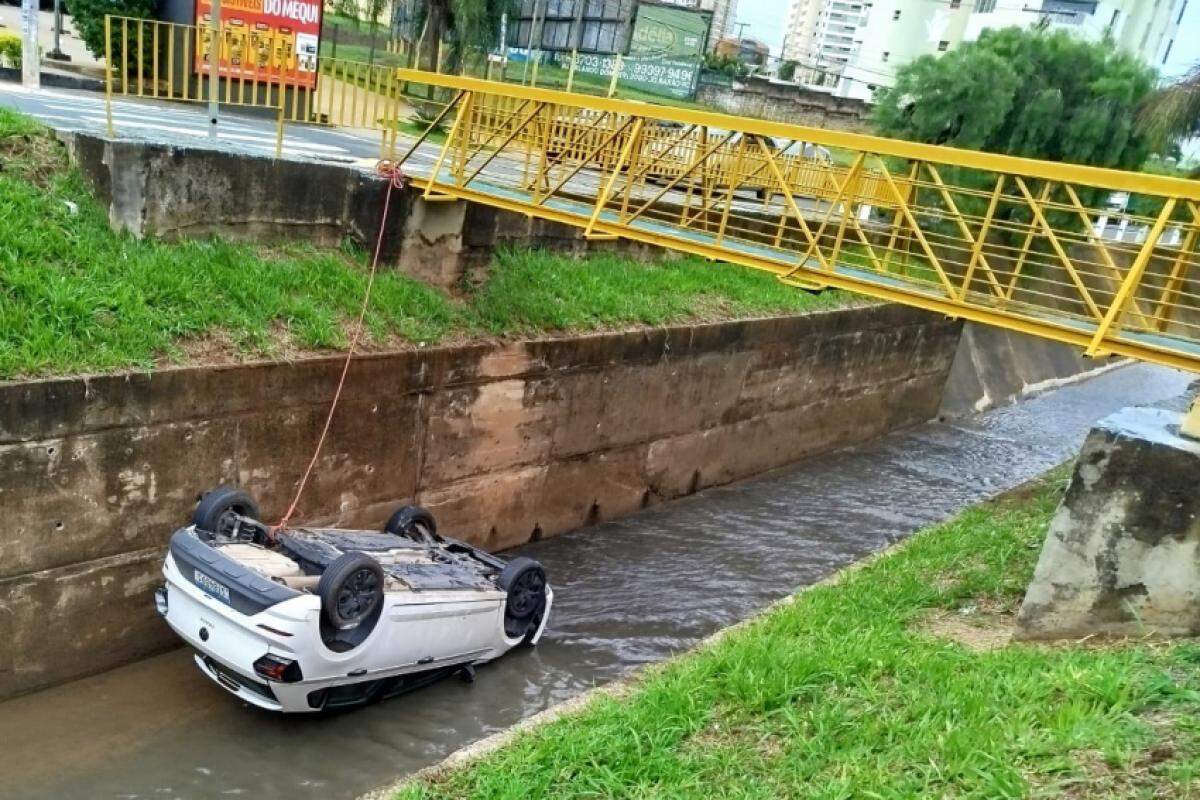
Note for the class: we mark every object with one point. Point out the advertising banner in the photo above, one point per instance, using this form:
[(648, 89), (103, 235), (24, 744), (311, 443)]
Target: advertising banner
[(666, 50), (269, 40), (668, 32)]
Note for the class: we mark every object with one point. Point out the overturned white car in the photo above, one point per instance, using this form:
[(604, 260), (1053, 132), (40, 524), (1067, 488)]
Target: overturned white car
[(307, 619)]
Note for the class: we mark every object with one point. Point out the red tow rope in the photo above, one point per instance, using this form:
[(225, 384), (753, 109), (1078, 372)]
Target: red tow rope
[(396, 180)]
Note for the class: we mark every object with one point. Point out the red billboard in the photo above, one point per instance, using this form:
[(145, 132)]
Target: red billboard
[(274, 41)]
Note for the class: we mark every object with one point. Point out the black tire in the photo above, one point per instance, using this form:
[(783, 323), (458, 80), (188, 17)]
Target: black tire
[(525, 581), (351, 590), (412, 522), (216, 509)]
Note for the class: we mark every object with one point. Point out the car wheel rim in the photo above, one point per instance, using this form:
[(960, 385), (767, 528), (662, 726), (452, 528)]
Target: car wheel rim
[(525, 597), (357, 596), (227, 521)]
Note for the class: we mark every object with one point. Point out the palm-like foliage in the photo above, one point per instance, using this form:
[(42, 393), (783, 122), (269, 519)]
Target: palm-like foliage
[(1172, 115)]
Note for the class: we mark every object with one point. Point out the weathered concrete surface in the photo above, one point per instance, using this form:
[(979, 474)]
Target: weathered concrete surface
[(173, 192), (786, 102), (1122, 556), (995, 367), (504, 442)]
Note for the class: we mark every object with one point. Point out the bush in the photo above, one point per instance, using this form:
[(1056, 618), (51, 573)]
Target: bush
[(89, 19), (10, 50)]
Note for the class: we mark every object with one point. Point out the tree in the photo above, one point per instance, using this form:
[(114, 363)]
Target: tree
[(464, 24), (88, 16), (1172, 114), (787, 70), (1031, 93)]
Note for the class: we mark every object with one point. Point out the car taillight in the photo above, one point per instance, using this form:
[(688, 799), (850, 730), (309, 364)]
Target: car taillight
[(280, 670)]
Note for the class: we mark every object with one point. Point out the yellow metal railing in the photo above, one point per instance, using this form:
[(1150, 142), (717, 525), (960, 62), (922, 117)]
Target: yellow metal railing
[(156, 60), (1022, 244)]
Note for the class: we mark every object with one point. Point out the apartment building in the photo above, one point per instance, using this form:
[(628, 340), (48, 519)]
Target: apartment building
[(855, 46), (724, 21)]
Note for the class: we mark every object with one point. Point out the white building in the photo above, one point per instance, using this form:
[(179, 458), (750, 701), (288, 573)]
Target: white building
[(856, 46), (1145, 28), (724, 20)]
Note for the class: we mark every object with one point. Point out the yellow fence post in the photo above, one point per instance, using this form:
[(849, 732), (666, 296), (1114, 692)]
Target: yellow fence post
[(108, 71), (616, 74), (571, 71), (281, 94)]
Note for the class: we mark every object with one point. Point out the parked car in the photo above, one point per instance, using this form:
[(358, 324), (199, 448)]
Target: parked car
[(306, 619)]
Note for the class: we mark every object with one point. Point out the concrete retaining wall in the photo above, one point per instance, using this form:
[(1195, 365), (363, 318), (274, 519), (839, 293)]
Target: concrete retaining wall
[(504, 442), (786, 102), (995, 367)]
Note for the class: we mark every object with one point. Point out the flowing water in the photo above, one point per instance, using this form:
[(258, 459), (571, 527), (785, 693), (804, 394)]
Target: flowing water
[(628, 593)]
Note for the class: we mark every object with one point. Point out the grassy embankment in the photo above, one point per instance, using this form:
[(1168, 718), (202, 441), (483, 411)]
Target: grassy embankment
[(75, 297), (896, 682)]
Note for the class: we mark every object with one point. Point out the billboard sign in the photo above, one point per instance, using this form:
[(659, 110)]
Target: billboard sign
[(666, 50), (274, 41), (668, 32)]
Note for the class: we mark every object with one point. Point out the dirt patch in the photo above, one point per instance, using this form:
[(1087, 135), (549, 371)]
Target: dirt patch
[(977, 631), (33, 157)]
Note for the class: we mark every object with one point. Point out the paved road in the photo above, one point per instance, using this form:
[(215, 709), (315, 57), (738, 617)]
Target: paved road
[(187, 124)]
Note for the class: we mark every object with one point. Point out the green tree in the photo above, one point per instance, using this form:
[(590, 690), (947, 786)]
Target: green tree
[(88, 16), (1029, 93), (787, 70), (464, 24), (1172, 114)]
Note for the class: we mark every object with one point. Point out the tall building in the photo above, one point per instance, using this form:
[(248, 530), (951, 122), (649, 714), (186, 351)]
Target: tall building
[(724, 20), (799, 38), (855, 46), (1145, 28), (601, 26)]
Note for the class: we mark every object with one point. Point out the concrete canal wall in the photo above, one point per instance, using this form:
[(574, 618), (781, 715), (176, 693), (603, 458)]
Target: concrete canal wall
[(504, 442)]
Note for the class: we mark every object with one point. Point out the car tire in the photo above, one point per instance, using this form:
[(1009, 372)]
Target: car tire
[(409, 521), (525, 582), (351, 590), (214, 513)]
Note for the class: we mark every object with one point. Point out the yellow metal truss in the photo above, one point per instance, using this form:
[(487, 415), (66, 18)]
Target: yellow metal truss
[(1038, 247)]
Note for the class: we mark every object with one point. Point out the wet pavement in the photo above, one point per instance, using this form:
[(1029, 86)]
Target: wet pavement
[(628, 593)]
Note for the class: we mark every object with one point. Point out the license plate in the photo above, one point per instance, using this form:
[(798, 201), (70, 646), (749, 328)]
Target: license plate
[(211, 585)]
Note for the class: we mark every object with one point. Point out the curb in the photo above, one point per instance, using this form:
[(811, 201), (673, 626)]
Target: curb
[(56, 80)]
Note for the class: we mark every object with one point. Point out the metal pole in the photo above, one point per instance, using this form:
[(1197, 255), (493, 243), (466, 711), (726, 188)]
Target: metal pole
[(56, 52), (214, 57), (31, 75)]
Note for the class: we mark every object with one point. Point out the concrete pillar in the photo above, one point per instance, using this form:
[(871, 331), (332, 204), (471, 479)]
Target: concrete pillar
[(31, 59), (1122, 555)]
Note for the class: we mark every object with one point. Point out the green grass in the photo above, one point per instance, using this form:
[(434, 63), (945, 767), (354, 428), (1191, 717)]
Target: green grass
[(531, 291), (75, 297), (856, 690)]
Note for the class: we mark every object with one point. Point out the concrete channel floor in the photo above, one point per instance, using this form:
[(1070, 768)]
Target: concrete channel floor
[(629, 593)]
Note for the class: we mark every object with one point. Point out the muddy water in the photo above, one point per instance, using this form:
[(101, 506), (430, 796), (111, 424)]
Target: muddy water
[(629, 593)]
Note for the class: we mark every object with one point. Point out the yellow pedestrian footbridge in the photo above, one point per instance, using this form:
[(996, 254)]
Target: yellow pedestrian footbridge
[(1098, 258)]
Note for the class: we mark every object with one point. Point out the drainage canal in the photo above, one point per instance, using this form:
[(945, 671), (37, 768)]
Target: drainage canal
[(628, 593)]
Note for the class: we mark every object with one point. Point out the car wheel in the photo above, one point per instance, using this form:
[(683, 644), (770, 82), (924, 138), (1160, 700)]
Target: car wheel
[(351, 590), (412, 522), (525, 582), (218, 510)]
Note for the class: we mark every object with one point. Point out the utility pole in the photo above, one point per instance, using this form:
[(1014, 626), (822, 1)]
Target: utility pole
[(56, 52), (31, 76), (214, 58)]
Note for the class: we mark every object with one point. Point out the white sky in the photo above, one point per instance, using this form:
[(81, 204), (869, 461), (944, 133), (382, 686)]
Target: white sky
[(767, 19)]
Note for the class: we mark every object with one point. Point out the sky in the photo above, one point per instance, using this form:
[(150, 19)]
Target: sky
[(767, 19)]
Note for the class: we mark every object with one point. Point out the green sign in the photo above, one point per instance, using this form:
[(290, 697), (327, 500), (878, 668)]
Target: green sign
[(666, 32)]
